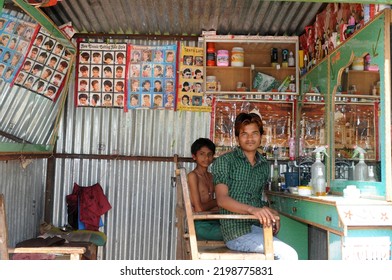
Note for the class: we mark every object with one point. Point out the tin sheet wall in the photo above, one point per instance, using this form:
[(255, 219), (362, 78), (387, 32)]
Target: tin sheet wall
[(24, 191)]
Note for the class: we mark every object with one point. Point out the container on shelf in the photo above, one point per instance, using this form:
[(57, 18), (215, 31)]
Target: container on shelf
[(237, 57), (292, 179), (274, 57), (285, 58), (211, 84), (211, 54), (222, 58), (358, 64)]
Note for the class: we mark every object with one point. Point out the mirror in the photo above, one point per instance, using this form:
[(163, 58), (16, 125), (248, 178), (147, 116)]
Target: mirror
[(29, 121), (277, 120), (355, 119), (312, 121), (360, 95)]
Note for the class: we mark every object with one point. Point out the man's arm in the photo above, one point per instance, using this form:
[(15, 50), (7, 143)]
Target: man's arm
[(266, 216)]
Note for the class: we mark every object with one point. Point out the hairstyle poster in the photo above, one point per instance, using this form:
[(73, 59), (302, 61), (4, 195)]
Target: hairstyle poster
[(101, 75), (45, 67), (190, 88), (152, 77), (15, 40)]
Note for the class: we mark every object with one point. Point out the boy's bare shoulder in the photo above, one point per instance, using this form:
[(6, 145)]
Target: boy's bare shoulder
[(192, 174)]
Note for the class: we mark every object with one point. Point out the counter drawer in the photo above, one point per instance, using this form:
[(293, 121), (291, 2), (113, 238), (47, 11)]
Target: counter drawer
[(310, 212)]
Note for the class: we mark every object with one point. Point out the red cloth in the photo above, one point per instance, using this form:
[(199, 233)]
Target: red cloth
[(92, 204)]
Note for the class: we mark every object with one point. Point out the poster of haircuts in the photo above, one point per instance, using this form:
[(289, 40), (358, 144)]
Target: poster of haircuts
[(101, 75), (45, 67), (15, 40), (152, 77), (190, 88)]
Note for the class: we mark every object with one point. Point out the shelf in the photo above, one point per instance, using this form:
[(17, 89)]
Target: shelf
[(363, 81), (274, 69), (230, 76)]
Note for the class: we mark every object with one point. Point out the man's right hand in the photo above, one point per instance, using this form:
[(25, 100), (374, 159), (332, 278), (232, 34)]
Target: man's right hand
[(266, 216)]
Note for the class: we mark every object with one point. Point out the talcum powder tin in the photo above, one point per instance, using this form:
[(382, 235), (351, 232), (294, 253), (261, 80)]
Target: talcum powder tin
[(237, 57)]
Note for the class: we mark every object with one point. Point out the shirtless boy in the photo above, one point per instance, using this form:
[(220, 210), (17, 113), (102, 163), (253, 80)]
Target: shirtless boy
[(201, 189)]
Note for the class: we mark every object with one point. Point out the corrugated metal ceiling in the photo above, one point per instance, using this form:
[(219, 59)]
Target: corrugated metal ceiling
[(185, 17)]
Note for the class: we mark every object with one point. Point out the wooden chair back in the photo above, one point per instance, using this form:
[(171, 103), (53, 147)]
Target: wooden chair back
[(75, 253), (217, 250)]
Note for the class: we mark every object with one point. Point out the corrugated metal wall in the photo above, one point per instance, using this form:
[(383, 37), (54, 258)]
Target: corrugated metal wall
[(24, 191), (141, 224)]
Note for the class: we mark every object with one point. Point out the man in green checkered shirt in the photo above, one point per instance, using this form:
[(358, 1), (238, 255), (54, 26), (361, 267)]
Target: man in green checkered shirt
[(239, 178)]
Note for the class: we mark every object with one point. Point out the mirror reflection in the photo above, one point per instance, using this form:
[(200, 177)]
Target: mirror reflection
[(355, 122)]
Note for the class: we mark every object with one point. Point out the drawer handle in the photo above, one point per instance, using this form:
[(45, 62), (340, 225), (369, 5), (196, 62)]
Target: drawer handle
[(328, 218), (294, 209)]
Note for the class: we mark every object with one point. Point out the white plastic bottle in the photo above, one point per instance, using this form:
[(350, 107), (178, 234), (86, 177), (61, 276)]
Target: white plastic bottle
[(291, 61), (371, 177), (319, 188), (318, 168), (361, 172)]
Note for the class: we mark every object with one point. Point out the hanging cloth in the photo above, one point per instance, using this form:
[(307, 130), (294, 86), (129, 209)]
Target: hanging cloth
[(92, 204)]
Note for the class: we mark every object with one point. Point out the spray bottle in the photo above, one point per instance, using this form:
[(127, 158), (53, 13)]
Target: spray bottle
[(361, 172), (318, 172), (275, 172)]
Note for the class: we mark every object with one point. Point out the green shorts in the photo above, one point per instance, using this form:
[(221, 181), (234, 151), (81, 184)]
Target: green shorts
[(208, 230)]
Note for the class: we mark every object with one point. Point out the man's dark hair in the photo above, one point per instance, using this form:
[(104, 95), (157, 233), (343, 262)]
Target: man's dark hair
[(244, 119), (200, 143)]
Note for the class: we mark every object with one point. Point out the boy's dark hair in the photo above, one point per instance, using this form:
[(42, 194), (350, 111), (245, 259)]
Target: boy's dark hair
[(85, 55), (52, 88), (108, 56), (83, 95), (200, 143), (244, 119), (49, 43), (107, 83)]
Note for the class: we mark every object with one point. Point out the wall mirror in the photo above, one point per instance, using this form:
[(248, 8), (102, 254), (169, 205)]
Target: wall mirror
[(355, 118), (29, 121), (359, 94)]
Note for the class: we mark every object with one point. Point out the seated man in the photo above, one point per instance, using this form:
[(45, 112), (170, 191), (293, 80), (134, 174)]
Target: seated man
[(201, 189), (239, 178)]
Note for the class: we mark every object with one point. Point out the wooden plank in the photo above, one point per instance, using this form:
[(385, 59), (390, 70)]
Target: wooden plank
[(74, 252), (3, 231), (48, 250)]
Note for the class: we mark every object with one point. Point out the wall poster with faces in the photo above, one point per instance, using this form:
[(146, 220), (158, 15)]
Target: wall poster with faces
[(15, 40), (190, 88), (101, 75), (45, 67), (152, 77)]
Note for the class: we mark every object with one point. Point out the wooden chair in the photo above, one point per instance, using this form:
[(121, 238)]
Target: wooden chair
[(213, 250), (74, 253)]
